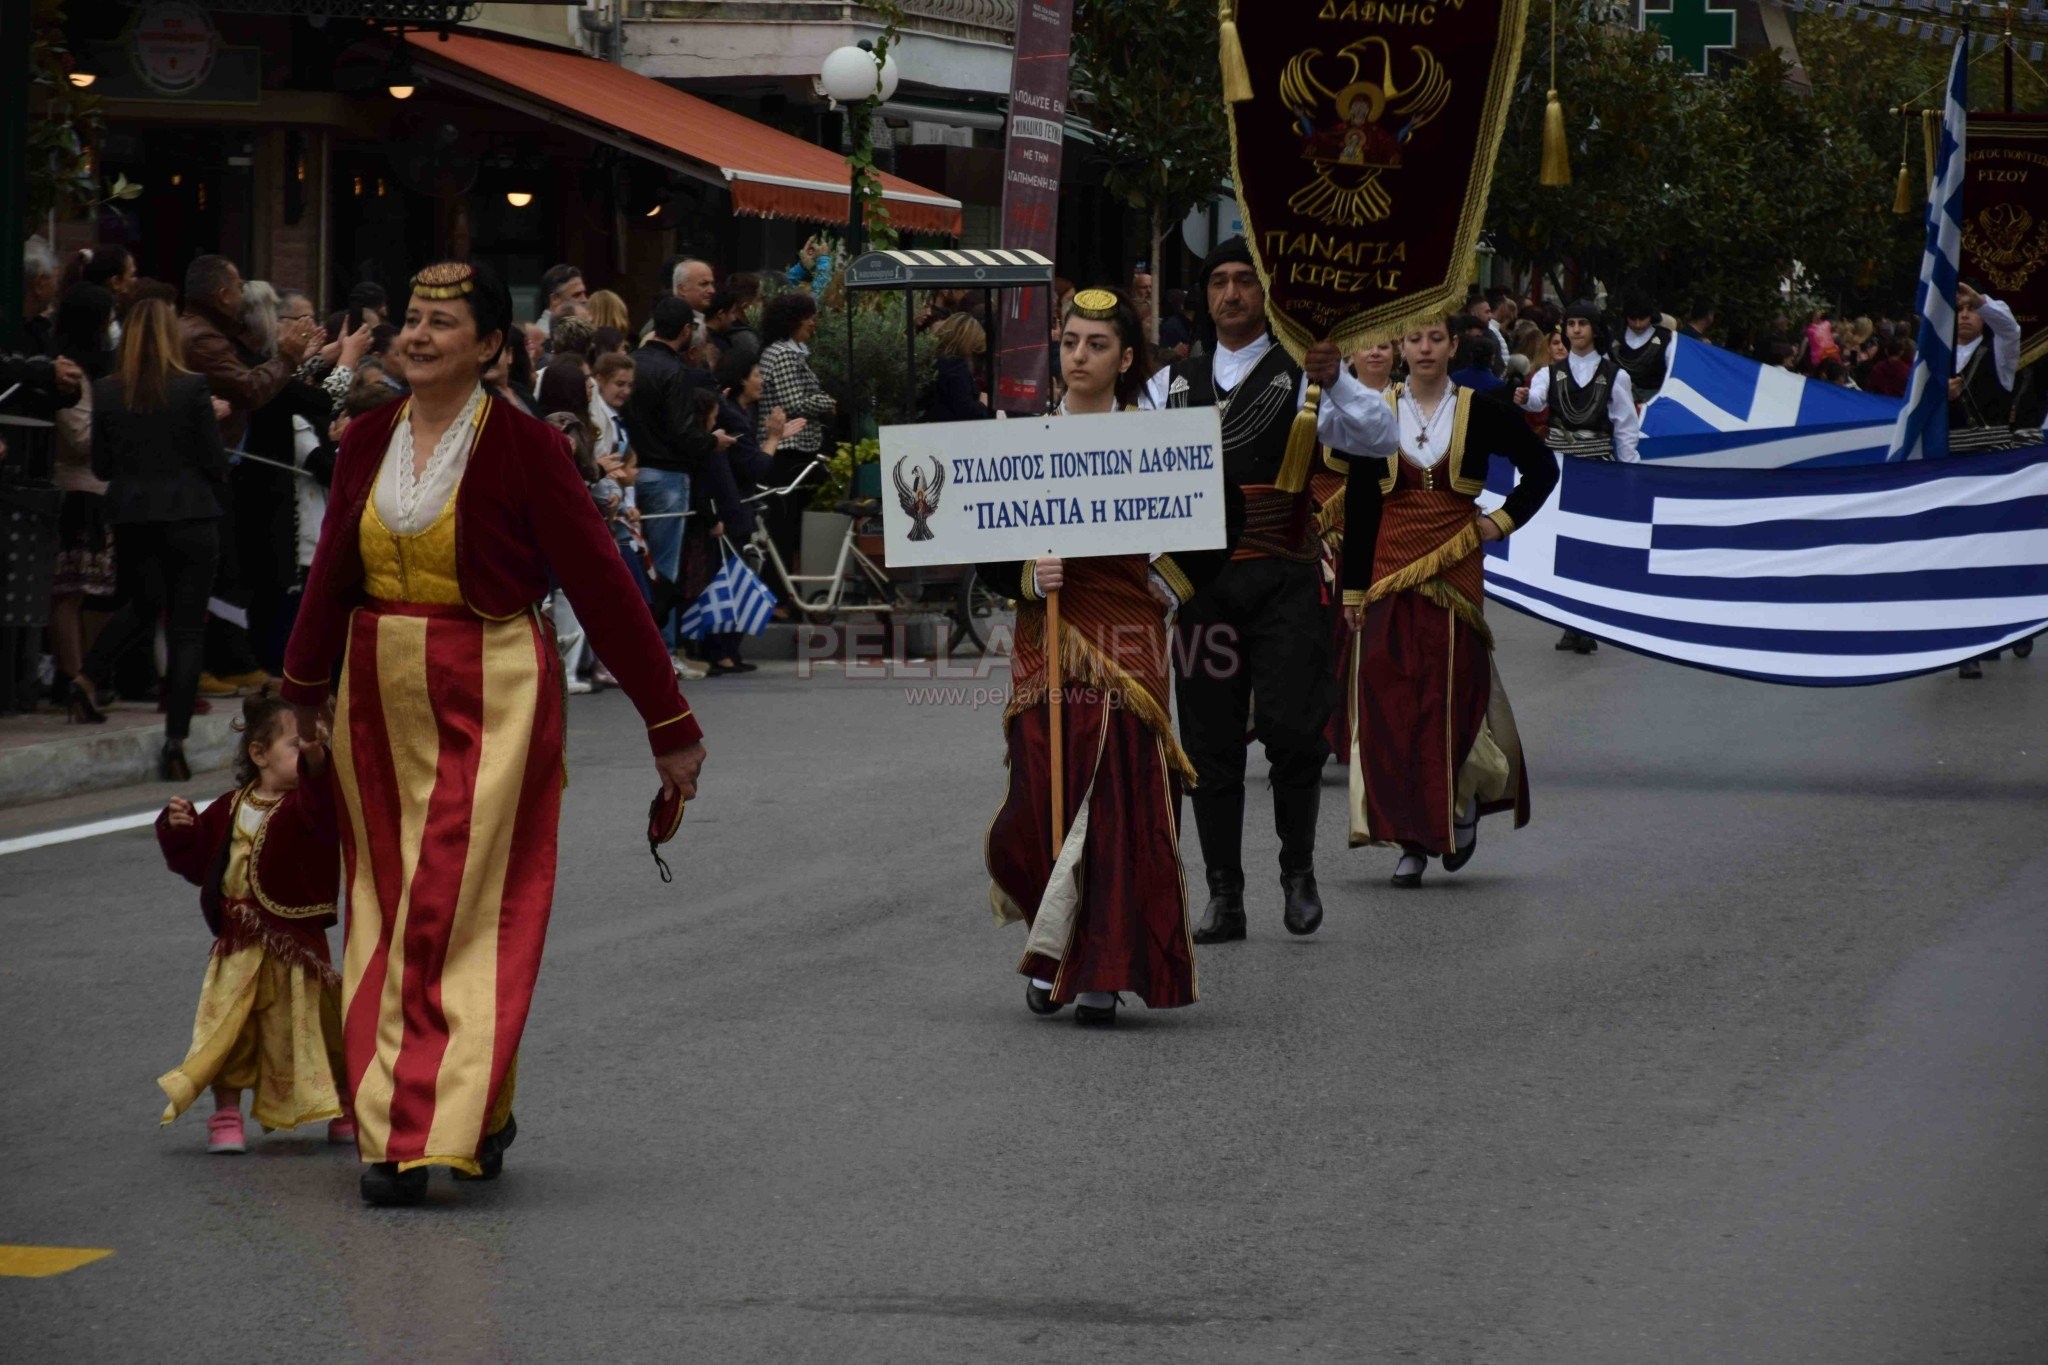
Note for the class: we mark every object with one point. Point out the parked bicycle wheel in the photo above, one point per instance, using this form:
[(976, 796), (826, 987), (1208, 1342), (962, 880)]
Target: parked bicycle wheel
[(982, 615)]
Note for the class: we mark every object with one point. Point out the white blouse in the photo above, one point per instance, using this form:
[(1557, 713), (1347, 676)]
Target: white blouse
[(408, 504), (1425, 440)]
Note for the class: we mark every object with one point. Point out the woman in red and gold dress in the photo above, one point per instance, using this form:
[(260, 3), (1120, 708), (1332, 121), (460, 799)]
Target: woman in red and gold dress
[(1110, 913), (1433, 742), (446, 516)]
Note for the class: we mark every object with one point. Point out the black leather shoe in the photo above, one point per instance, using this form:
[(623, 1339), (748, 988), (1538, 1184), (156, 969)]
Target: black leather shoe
[(1304, 912), (1099, 1016), (385, 1186), (1407, 881), (1586, 645), (1970, 669), (490, 1153), (1039, 1000), (1222, 919), (1567, 642), (171, 765), (1458, 857)]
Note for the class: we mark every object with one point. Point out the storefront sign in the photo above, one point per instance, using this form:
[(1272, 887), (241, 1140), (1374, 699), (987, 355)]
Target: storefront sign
[(1110, 484), (1031, 193), (172, 46)]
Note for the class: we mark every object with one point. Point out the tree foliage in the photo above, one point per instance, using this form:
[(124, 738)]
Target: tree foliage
[(1721, 189), (1146, 78)]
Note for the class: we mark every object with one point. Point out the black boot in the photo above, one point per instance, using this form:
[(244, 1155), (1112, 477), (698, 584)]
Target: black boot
[(490, 1153), (1294, 817), (385, 1186), (1219, 820)]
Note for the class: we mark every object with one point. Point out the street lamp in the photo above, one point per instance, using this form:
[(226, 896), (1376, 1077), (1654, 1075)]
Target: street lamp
[(518, 199), (853, 77)]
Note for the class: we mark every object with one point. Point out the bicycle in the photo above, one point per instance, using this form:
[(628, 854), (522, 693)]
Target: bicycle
[(978, 614)]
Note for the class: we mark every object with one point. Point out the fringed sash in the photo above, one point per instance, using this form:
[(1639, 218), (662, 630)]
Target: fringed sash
[(1112, 638), (1428, 544)]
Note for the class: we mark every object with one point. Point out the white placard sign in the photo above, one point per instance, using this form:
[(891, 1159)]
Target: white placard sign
[(1114, 483)]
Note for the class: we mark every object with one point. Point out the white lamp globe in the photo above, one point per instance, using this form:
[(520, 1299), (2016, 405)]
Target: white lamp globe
[(890, 76), (849, 75)]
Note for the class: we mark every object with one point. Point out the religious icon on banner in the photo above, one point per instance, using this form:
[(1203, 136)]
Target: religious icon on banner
[(2005, 237), (1356, 130), (1362, 138)]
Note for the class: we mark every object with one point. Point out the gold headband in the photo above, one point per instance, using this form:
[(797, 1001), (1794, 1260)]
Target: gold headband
[(448, 280), (1097, 305)]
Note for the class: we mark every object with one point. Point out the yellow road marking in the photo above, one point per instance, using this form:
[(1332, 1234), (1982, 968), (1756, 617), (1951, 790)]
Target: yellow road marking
[(33, 1263)]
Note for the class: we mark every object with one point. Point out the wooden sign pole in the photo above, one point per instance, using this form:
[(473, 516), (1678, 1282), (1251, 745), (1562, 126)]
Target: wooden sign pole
[(1053, 689)]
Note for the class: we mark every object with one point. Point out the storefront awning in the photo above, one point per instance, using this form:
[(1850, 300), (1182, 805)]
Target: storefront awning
[(770, 173)]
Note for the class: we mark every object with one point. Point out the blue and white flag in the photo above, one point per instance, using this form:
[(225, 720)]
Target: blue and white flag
[(1724, 411), (1922, 428), (1821, 578), (736, 601)]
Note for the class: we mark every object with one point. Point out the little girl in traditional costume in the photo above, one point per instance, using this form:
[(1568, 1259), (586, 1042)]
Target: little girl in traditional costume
[(267, 860)]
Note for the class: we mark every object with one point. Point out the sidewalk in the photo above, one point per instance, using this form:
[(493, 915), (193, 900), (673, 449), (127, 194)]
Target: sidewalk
[(43, 757)]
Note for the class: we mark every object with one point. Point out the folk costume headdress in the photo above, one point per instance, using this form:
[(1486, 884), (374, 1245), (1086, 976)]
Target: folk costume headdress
[(1097, 305), (445, 280)]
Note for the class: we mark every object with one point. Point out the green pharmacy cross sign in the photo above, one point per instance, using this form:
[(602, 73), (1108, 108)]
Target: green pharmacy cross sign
[(1691, 29)]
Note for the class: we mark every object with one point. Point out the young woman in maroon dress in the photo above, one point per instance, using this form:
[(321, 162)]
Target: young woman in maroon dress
[(1109, 914), (1433, 742)]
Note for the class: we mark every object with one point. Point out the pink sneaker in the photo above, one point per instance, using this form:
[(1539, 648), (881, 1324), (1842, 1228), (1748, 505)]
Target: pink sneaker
[(341, 1132), (224, 1135)]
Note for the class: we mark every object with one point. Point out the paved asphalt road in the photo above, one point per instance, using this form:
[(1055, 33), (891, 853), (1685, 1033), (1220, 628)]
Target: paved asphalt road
[(1739, 1053)]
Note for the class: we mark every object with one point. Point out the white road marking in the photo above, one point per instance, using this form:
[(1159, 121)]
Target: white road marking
[(91, 830)]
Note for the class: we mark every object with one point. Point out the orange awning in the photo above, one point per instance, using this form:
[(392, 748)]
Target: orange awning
[(770, 173)]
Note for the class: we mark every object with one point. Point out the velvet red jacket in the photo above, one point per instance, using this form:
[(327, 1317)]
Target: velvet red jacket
[(296, 871), (521, 511)]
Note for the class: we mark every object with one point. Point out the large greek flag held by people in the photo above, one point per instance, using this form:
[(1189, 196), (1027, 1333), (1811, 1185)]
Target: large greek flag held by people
[(1822, 578), (1922, 428), (1724, 411)]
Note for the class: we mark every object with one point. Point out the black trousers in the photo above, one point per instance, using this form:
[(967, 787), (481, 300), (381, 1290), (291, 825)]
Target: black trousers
[(166, 570), (1253, 648)]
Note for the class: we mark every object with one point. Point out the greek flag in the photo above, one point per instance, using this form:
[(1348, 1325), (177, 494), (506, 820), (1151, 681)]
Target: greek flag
[(1724, 411), (1821, 578), (1922, 428), (736, 601)]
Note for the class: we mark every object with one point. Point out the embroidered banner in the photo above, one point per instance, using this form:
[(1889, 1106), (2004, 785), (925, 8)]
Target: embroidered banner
[(1031, 194), (1364, 154), (2005, 222)]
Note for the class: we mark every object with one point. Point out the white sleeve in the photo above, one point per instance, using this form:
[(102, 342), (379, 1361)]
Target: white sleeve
[(1621, 406), (1539, 391), (1157, 386), (2005, 339), (1353, 418), (305, 440)]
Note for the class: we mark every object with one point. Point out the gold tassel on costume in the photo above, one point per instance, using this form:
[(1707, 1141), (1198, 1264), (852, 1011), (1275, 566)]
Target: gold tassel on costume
[(1902, 201), (1301, 444), (1237, 77), (1557, 161)]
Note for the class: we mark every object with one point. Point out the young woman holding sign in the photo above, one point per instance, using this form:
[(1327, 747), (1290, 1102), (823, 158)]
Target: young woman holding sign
[(1099, 880), (1433, 743)]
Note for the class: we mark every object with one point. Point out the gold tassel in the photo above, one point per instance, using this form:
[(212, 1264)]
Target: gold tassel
[(1237, 77), (1301, 444), (1557, 161), (1930, 130), (1902, 202)]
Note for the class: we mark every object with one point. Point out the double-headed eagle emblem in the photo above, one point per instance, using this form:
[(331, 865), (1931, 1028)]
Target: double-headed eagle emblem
[(1358, 128), (918, 496), (1997, 239)]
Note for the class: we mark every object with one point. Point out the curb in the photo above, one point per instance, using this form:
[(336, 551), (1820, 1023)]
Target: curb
[(117, 758)]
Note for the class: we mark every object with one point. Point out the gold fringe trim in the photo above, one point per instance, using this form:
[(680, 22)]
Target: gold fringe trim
[(1420, 571), (1082, 663), (1902, 201), (1237, 77)]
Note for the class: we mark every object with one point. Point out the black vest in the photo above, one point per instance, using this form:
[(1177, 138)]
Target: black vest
[(1256, 415), (1582, 409), (1645, 363), (1984, 402)]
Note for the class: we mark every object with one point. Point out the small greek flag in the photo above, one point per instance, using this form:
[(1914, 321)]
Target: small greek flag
[(1922, 428), (735, 602)]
